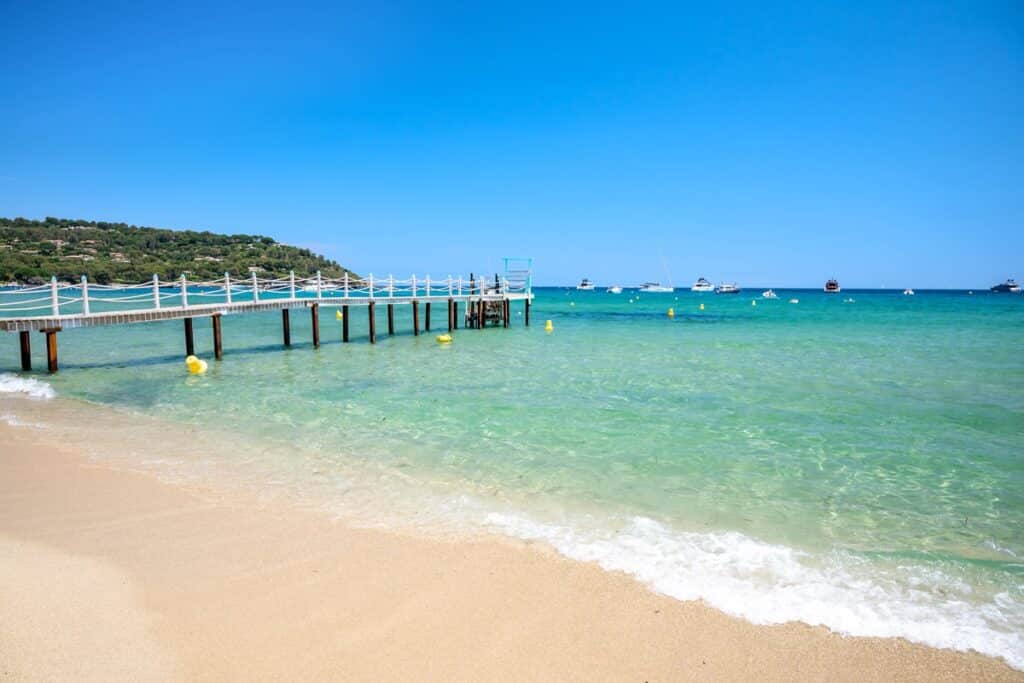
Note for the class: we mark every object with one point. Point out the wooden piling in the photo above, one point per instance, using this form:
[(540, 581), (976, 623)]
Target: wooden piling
[(415, 318), (526, 314), (455, 315), (391, 319), (51, 348), (451, 315), (190, 342), (315, 313), (25, 338), (504, 312), (344, 323), (481, 318), (286, 326), (426, 325), (373, 323), (218, 346)]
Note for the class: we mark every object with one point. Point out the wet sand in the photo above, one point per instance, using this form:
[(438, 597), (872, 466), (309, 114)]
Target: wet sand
[(114, 575)]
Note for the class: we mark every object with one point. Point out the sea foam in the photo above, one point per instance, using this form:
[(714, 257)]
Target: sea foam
[(774, 584), (26, 386)]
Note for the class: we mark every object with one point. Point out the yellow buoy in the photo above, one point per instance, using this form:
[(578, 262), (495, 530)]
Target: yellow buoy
[(444, 339), (338, 315), (702, 307), (753, 302), (195, 365), (671, 312), (548, 327)]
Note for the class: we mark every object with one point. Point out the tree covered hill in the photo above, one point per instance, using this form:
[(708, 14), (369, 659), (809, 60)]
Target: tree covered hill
[(31, 251)]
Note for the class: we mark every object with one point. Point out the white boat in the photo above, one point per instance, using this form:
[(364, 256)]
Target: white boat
[(908, 292), (727, 288), (615, 289), (655, 287), (832, 286), (769, 294), (702, 285), (585, 285)]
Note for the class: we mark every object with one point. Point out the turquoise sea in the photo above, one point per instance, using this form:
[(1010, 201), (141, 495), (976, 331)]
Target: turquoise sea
[(853, 460)]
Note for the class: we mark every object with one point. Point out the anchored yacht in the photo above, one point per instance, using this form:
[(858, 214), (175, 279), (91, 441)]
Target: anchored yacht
[(769, 294), (655, 287), (702, 285), (727, 288), (1008, 286), (585, 285), (832, 286)]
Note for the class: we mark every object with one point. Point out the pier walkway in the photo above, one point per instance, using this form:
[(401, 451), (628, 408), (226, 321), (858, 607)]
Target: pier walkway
[(57, 306)]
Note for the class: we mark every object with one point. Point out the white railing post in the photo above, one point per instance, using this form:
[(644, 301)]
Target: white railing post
[(413, 281), (391, 285), (319, 286), (227, 286), (255, 288), (54, 301), (156, 291), (345, 279), (291, 282), (85, 295), (449, 285), (371, 285), (184, 292), (460, 285), (428, 285)]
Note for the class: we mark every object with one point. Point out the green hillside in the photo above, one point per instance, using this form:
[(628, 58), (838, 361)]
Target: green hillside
[(32, 251)]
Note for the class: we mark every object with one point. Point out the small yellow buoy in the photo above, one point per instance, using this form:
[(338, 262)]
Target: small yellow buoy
[(444, 339), (671, 312), (195, 365), (702, 307), (338, 315), (753, 302), (548, 327)]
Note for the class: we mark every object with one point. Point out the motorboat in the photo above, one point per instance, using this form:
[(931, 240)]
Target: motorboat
[(655, 287), (908, 292), (585, 285), (727, 288), (702, 285), (1008, 286), (832, 286), (615, 289), (769, 294)]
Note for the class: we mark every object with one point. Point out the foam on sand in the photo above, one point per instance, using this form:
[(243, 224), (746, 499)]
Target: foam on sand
[(26, 386), (773, 584)]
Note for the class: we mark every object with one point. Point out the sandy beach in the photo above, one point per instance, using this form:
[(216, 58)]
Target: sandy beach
[(113, 575)]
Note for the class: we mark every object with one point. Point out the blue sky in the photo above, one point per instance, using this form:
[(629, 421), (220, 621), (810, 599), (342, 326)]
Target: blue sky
[(769, 143)]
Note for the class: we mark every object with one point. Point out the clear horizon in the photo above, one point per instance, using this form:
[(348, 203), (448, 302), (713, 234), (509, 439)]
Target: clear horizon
[(770, 144)]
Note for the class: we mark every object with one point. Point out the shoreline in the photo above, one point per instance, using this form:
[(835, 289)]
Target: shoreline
[(184, 586)]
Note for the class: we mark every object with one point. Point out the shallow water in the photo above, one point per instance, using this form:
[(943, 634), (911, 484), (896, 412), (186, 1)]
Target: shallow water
[(853, 460)]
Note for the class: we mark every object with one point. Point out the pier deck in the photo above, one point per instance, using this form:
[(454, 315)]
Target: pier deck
[(55, 307)]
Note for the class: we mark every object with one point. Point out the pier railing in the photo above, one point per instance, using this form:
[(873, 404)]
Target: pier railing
[(84, 298)]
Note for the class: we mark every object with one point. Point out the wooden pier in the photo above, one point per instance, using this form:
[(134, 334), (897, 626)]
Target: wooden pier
[(51, 308)]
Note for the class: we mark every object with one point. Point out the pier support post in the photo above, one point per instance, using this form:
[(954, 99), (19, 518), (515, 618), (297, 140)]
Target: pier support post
[(455, 315), (190, 342), (391, 319), (426, 326), (482, 316), (218, 346), (451, 314), (315, 313), (373, 322), (505, 312), (51, 348), (286, 326), (526, 314), (416, 318), (25, 338), (344, 322)]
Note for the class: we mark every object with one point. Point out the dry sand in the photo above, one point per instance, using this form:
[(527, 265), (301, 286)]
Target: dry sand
[(113, 575)]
